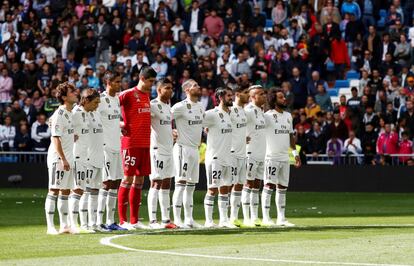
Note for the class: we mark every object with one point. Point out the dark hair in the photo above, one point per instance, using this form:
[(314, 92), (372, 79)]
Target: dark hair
[(88, 95), (147, 72), (163, 82), (272, 97), (221, 91), (110, 76), (240, 88), (62, 90)]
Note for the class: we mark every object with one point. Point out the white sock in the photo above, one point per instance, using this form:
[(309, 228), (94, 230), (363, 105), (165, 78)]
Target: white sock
[(164, 199), (103, 194), (188, 202), (223, 201), (254, 204), (235, 200), (50, 205), (245, 199), (111, 206), (152, 204), (266, 198), (63, 208), (92, 207), (178, 202), (280, 203), (83, 209), (209, 207), (74, 209)]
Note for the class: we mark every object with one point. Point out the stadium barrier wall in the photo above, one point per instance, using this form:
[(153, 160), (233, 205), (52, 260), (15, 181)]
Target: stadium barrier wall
[(342, 178)]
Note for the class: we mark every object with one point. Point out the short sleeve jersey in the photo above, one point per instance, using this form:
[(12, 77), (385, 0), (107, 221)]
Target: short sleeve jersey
[(239, 125), (256, 125), (219, 136), (188, 117), (136, 113), (161, 127), (81, 127), (96, 140), (278, 129), (62, 126), (110, 112)]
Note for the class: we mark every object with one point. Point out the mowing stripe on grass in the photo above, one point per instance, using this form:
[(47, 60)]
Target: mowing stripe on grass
[(107, 242)]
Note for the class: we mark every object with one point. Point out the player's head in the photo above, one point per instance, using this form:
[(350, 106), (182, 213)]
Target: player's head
[(165, 89), (241, 93), (224, 96), (147, 78), (112, 80), (90, 99), (277, 98), (66, 93), (257, 95), (191, 88)]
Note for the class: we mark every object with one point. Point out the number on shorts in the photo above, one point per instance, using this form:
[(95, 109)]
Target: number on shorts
[(216, 174), (89, 173), (271, 170), (234, 171), (129, 160), (250, 167), (108, 164), (59, 174), (81, 175), (185, 167), (160, 164)]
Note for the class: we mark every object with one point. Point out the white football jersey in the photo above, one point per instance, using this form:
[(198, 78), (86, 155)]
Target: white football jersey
[(81, 127), (219, 136), (161, 127), (239, 129), (188, 117), (110, 112), (96, 140), (61, 126), (256, 126), (279, 126)]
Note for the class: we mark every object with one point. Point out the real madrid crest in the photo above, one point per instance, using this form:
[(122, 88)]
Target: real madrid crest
[(275, 117), (188, 106), (83, 117), (255, 112), (159, 106), (221, 115), (136, 96)]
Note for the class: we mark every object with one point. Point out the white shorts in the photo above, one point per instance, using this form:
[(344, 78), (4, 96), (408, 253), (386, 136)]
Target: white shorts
[(162, 166), (238, 171), (113, 166), (277, 172), (59, 178), (217, 175), (186, 163), (80, 175), (255, 169), (94, 177)]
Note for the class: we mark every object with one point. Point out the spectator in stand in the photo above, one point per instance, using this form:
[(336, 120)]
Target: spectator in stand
[(334, 149), (93, 82), (279, 13), (338, 128), (22, 140), (17, 114), (315, 82), (6, 86), (214, 25), (408, 115), (352, 146), (370, 116), (409, 89), (405, 147), (354, 102), (323, 99), (387, 143), (339, 56), (316, 141), (206, 100), (351, 7), (311, 108), (30, 110), (369, 142), (299, 89), (40, 134), (7, 134)]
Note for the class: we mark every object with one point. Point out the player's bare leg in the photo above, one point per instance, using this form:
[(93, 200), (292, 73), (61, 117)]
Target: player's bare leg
[(235, 203), (281, 206), (266, 203), (209, 207), (50, 206), (178, 202)]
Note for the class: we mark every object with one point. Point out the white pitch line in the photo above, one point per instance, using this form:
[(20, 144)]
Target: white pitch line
[(106, 241)]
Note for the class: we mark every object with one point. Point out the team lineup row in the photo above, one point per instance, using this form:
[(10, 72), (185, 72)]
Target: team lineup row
[(107, 136)]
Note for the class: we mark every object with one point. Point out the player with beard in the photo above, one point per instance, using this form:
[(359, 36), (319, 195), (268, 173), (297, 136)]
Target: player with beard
[(279, 137), (135, 142), (188, 116), (217, 124), (238, 150)]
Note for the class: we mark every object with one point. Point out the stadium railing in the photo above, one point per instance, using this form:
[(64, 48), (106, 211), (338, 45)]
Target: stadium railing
[(23, 157)]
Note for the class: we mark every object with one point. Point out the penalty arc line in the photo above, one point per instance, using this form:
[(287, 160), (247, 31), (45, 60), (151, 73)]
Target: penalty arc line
[(106, 241)]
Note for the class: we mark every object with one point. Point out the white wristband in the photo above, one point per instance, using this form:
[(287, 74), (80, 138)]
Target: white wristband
[(294, 153)]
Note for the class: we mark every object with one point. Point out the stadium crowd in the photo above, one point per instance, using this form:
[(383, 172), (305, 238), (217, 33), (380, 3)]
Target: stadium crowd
[(300, 46)]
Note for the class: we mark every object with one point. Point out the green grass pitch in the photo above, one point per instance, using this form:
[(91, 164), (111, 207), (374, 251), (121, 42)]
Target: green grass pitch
[(333, 229)]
